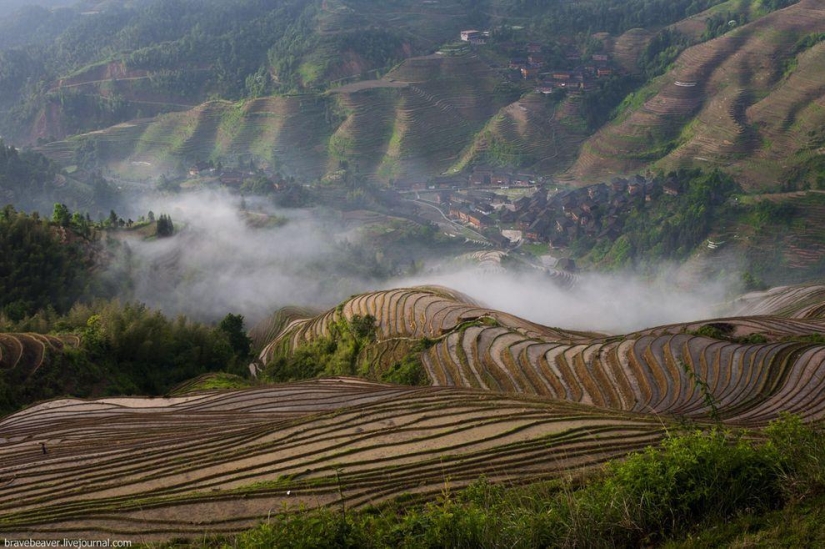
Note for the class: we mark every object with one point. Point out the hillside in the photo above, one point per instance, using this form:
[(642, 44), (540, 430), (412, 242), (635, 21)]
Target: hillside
[(378, 90), (412, 123), (746, 102), (509, 399), (150, 469), (91, 66), (745, 370)]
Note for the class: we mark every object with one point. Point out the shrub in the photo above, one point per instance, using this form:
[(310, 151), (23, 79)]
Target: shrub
[(798, 451), (692, 478)]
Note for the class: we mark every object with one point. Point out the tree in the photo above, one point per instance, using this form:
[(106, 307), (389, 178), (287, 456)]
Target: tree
[(232, 326), (165, 227), (37, 268), (61, 215)]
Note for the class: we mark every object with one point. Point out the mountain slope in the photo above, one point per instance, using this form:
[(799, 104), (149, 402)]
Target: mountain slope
[(748, 101), (726, 103), (745, 370)]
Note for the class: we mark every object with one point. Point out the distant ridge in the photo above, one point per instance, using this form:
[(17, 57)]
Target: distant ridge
[(734, 102)]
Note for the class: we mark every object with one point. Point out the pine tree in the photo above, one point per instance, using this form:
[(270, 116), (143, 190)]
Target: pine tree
[(165, 226)]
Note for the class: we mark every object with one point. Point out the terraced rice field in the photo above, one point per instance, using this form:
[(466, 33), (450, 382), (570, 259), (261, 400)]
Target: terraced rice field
[(627, 47), (24, 354), (363, 136), (415, 121), (726, 102), (444, 102), (150, 469), (291, 130), (509, 399), (539, 135), (663, 370)]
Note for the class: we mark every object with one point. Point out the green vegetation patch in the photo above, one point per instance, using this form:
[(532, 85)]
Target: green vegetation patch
[(218, 381), (337, 354)]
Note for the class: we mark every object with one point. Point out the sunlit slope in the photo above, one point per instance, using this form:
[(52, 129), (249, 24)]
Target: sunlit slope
[(148, 469), (534, 133), (744, 370), (739, 102), (289, 130)]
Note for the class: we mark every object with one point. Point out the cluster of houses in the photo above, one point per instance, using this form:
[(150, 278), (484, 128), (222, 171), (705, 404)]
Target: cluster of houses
[(234, 178), (557, 219), (532, 65), (478, 178), (579, 80)]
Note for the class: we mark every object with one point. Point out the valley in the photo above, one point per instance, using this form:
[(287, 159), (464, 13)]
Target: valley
[(441, 273)]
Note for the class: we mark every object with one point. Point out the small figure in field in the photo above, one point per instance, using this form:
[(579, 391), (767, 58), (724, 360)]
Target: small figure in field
[(43, 446)]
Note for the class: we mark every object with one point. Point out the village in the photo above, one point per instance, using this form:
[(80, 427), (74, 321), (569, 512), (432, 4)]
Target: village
[(503, 209), (545, 213), (530, 63)]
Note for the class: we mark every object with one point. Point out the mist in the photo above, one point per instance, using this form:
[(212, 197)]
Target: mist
[(9, 7), (217, 263), (606, 303)]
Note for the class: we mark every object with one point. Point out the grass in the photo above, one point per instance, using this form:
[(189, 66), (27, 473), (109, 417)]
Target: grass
[(217, 381), (535, 249), (793, 526)]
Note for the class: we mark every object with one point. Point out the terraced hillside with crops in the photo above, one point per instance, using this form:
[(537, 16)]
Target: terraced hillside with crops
[(148, 469), (748, 101), (414, 121), (509, 399), (743, 369), (532, 132), (290, 130), (21, 355)]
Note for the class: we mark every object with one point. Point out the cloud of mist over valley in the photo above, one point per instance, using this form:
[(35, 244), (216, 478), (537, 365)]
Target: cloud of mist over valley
[(608, 303), (219, 264)]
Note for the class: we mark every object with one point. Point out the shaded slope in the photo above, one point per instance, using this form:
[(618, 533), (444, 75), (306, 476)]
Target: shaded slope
[(22, 355)]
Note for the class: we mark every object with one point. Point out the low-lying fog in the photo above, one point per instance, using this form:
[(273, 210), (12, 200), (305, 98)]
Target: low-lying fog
[(220, 264), (609, 303)]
